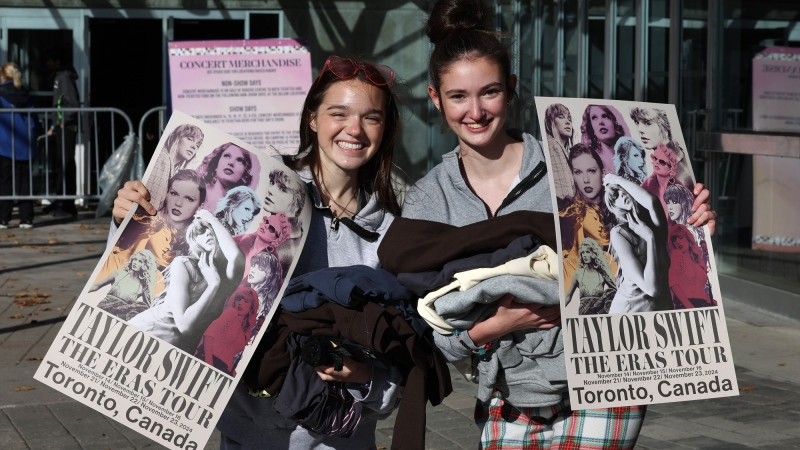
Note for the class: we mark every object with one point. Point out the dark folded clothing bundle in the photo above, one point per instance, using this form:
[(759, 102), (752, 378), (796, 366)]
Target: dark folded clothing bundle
[(383, 329)]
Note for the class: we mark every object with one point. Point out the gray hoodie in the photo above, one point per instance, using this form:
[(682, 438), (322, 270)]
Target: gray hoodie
[(444, 196)]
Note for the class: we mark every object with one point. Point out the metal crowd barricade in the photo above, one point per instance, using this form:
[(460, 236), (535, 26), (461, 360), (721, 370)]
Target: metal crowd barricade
[(99, 132)]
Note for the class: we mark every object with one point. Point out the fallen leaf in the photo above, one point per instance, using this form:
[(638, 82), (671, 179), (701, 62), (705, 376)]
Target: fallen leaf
[(84, 227), (23, 388), (35, 358), (747, 388), (41, 294), (43, 308), (70, 243), (22, 294), (22, 303), (782, 364), (80, 274), (52, 241), (61, 308), (17, 316), (90, 249)]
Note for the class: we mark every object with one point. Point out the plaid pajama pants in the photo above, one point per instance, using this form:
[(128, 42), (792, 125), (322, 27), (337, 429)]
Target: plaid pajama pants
[(507, 427)]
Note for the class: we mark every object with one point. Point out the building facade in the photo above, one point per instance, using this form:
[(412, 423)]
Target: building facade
[(695, 54)]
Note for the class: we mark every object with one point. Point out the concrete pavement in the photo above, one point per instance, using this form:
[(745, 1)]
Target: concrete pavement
[(42, 270)]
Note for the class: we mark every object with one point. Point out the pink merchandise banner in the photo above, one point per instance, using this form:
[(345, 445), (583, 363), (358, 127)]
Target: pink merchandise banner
[(251, 89), (776, 90)]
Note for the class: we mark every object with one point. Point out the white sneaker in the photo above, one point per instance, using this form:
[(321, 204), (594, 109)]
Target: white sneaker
[(26, 225), (3, 225)]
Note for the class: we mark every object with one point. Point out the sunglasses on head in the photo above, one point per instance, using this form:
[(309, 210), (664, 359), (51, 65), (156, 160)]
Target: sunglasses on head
[(346, 68), (660, 161)]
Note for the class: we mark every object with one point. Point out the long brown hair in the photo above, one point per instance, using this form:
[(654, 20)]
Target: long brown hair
[(375, 175)]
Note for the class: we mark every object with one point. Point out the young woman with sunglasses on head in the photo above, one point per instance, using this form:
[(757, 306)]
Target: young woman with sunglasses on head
[(347, 132), (490, 174), (348, 128)]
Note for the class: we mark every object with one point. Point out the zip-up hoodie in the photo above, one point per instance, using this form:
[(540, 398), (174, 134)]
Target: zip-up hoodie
[(444, 196)]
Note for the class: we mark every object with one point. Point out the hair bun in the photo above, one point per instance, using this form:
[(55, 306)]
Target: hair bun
[(449, 16)]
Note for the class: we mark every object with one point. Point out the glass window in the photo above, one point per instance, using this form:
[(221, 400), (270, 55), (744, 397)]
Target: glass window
[(744, 186), (626, 49), (571, 45), (597, 46), (748, 26), (693, 54), (658, 51), (28, 48), (549, 57)]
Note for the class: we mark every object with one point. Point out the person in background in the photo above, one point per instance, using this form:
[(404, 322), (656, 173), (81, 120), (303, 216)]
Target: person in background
[(17, 140), (64, 126)]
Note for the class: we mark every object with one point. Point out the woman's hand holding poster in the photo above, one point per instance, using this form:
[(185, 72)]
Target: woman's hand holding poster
[(642, 315), (161, 334)]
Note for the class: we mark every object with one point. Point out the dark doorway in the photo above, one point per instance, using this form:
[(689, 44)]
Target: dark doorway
[(265, 26), (207, 30), (126, 67)]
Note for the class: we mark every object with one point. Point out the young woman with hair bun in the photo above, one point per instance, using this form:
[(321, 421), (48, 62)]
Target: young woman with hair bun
[(492, 173)]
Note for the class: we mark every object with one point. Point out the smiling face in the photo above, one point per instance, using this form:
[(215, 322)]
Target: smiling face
[(231, 166), (186, 148), (650, 133), (563, 126), (349, 124), (602, 125), (243, 213), (588, 177), (474, 99)]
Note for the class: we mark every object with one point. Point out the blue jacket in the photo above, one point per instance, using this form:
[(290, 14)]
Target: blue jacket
[(18, 132)]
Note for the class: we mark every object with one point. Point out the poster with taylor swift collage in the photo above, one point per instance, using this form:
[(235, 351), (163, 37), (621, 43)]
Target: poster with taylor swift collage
[(642, 313), (170, 317)]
